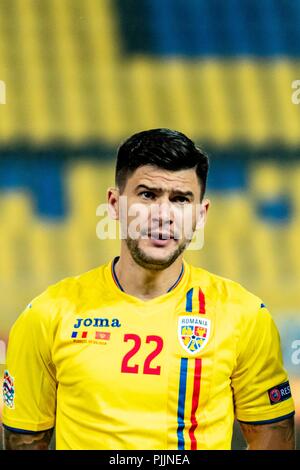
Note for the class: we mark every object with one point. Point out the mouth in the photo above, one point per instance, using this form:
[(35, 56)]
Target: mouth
[(160, 239), (160, 236)]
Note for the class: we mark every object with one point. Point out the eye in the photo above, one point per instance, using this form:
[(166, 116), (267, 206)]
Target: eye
[(181, 199), (149, 195)]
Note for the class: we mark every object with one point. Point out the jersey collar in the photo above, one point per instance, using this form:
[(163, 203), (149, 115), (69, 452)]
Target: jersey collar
[(117, 282)]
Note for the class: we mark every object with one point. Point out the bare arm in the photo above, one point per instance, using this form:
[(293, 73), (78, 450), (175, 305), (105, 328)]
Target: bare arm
[(19, 441), (274, 436)]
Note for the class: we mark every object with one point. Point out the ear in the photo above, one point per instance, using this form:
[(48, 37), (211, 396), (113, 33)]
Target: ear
[(113, 196), (202, 213)]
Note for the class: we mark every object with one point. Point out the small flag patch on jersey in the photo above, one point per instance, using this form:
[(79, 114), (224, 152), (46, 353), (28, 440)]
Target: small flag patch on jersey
[(102, 335), (279, 393), (8, 390)]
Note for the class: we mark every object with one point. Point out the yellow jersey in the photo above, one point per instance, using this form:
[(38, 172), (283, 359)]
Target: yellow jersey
[(111, 371)]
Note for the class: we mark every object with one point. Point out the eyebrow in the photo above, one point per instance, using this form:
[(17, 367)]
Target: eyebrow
[(160, 190)]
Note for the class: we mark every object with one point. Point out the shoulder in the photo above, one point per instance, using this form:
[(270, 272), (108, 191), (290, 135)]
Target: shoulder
[(234, 305), (226, 292), (64, 295), (73, 287)]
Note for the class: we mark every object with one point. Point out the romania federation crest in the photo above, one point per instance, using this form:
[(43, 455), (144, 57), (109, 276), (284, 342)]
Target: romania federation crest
[(193, 333)]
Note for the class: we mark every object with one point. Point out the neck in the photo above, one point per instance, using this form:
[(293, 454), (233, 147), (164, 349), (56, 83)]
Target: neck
[(145, 283)]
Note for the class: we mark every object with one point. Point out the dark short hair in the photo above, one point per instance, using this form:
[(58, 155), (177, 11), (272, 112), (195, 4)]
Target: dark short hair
[(163, 148)]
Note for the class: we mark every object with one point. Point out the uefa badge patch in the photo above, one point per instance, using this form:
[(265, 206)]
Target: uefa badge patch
[(280, 393), (8, 390), (193, 333)]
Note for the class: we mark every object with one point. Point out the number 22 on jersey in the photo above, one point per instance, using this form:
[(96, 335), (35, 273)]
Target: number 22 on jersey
[(137, 342)]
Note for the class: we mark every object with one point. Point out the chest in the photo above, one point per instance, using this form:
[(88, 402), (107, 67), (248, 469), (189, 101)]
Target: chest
[(144, 351)]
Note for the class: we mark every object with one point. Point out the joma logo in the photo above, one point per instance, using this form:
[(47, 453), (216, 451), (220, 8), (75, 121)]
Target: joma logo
[(97, 322)]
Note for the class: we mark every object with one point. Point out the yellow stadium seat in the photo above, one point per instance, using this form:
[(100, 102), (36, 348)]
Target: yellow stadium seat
[(267, 180)]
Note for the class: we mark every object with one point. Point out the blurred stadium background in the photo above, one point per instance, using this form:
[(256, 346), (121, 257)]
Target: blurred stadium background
[(81, 75)]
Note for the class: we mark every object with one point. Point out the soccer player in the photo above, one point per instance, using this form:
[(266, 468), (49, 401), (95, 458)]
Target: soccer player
[(147, 351)]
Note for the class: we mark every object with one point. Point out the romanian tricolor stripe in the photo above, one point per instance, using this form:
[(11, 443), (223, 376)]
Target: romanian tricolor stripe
[(189, 301), (193, 304), (201, 300), (181, 402), (183, 414), (195, 403)]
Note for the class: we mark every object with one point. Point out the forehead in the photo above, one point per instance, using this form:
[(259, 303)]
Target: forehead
[(165, 179)]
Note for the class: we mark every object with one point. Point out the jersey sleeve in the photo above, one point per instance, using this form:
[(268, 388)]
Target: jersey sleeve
[(260, 384), (29, 387)]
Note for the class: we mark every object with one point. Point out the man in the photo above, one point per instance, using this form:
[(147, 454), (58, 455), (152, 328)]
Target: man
[(148, 352)]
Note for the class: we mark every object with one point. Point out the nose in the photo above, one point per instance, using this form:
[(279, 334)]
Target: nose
[(163, 214)]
